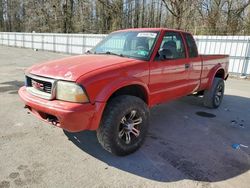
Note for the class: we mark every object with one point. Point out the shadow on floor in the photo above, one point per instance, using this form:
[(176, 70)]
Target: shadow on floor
[(183, 145), (11, 87)]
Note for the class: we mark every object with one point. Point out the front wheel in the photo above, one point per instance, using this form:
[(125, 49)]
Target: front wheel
[(124, 125), (213, 96)]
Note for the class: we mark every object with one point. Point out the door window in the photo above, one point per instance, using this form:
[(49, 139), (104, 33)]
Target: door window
[(172, 46)]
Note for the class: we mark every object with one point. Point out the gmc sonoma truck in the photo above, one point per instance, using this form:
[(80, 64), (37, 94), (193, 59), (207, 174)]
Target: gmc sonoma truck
[(111, 88)]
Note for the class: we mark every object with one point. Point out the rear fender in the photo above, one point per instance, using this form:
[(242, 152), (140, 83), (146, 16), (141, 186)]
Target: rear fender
[(212, 74)]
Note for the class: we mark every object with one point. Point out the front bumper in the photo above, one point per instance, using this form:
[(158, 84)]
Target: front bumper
[(73, 117)]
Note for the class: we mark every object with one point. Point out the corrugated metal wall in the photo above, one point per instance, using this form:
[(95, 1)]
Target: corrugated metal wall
[(65, 43), (238, 47)]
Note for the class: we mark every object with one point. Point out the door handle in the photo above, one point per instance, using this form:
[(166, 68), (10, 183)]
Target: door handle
[(187, 66)]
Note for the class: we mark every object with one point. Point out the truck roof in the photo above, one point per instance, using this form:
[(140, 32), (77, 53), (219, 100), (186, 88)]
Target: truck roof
[(152, 29)]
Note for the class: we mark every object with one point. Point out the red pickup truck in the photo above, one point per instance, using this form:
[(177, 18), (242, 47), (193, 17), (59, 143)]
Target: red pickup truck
[(111, 88)]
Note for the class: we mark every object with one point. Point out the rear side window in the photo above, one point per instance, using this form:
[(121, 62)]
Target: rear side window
[(192, 48)]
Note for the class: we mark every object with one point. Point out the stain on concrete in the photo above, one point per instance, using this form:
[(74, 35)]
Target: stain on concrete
[(11, 86), (13, 92), (19, 182), (14, 175), (22, 167), (4, 184), (188, 168), (152, 137), (14, 136), (27, 175), (163, 143), (205, 114)]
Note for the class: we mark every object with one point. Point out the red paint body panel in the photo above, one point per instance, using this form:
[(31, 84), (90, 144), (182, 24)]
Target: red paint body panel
[(102, 75), (72, 68), (211, 64), (73, 117), (101, 84)]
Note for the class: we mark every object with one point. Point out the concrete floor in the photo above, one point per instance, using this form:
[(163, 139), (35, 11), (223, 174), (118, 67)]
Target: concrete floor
[(182, 149)]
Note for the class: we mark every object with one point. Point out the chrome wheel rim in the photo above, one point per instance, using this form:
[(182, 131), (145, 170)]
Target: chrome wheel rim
[(129, 128), (218, 95)]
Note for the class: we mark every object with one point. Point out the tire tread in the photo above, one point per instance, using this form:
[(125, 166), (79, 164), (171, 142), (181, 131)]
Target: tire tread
[(105, 131)]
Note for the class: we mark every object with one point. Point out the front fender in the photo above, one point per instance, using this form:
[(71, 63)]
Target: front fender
[(101, 84), (117, 84), (104, 91)]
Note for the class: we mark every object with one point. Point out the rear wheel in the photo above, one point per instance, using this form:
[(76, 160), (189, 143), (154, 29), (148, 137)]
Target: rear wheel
[(124, 125), (213, 96)]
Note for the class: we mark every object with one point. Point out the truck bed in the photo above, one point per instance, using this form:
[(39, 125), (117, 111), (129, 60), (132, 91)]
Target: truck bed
[(212, 60), (210, 63), (212, 57)]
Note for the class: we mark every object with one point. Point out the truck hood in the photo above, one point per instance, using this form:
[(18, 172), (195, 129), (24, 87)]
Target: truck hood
[(73, 67)]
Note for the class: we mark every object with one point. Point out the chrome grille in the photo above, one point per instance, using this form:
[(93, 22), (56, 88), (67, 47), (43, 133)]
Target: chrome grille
[(40, 86)]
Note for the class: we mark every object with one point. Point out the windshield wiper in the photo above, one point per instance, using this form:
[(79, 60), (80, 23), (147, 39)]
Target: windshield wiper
[(111, 53)]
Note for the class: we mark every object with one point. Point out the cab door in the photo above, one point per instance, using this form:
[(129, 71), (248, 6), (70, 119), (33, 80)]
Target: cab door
[(169, 73), (195, 64)]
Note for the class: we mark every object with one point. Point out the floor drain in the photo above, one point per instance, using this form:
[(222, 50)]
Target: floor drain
[(205, 114)]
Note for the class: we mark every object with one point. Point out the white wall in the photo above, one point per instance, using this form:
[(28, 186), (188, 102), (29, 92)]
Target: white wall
[(65, 43), (238, 47)]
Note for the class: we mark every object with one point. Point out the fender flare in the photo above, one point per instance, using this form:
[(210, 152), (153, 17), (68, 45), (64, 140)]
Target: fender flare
[(117, 84), (213, 73)]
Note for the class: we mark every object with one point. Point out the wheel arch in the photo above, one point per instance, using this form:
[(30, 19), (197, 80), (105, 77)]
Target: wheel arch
[(132, 87), (136, 90), (116, 88), (218, 73)]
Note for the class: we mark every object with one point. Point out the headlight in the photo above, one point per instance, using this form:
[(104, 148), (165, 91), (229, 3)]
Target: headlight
[(69, 91)]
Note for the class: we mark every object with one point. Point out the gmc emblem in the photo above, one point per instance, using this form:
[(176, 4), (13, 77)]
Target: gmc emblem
[(37, 85)]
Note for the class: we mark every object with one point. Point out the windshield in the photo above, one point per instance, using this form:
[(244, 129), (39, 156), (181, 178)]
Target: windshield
[(134, 44)]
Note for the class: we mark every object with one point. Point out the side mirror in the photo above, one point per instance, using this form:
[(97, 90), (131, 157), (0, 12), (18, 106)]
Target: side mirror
[(165, 54)]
